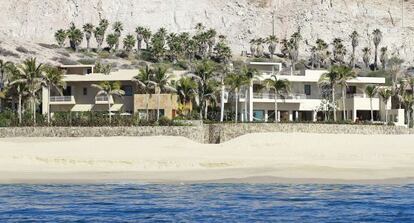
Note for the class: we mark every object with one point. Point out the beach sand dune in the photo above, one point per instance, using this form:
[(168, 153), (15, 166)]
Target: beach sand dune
[(253, 158)]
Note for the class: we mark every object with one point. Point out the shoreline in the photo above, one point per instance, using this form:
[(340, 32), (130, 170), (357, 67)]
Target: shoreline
[(286, 158)]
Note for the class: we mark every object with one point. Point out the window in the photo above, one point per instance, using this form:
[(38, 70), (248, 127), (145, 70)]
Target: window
[(85, 91), (128, 90), (351, 90), (308, 89), (89, 71), (67, 91)]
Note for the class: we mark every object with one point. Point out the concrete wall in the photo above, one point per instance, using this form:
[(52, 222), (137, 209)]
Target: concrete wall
[(167, 102)]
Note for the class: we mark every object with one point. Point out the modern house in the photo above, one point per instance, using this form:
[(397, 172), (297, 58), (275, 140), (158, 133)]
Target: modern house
[(305, 102), (79, 95)]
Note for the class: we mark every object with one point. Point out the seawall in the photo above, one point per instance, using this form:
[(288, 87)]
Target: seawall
[(207, 133)]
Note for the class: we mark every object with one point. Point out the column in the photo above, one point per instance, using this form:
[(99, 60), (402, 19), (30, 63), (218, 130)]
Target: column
[(278, 116), (290, 116), (315, 116), (45, 100), (297, 116), (251, 102), (266, 116), (354, 114)]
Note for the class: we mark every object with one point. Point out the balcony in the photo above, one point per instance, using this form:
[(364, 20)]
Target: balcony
[(266, 96), (62, 100), (103, 99)]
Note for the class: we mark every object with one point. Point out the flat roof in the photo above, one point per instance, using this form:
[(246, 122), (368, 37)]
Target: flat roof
[(265, 63), (77, 66)]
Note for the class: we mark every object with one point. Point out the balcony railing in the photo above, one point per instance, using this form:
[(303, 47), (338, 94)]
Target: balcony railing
[(102, 99), (267, 95), (359, 96), (61, 99)]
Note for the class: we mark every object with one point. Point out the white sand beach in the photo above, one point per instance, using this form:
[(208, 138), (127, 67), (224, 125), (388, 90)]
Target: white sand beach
[(254, 158)]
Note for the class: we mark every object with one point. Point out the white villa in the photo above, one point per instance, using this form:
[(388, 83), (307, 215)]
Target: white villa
[(305, 102)]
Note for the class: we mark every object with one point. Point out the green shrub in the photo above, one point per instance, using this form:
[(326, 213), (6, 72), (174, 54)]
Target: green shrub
[(87, 61)]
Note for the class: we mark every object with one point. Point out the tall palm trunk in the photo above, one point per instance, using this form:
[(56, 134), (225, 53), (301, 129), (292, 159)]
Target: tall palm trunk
[(334, 102), (376, 58), (372, 110), (205, 111), (109, 110), (34, 109), (386, 112), (158, 104), (19, 108), (353, 57), (344, 104), (276, 110), (245, 105)]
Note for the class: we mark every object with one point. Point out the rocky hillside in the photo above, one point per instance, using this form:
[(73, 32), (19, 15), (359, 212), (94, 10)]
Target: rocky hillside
[(240, 20)]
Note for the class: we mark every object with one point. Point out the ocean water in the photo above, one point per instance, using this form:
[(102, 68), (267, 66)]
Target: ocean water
[(206, 203)]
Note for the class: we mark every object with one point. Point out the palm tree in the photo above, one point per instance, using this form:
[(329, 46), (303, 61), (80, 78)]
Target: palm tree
[(60, 37), (129, 43), (385, 94), (204, 73), (408, 103), (366, 56), (280, 86), (211, 36), (140, 36), (384, 57), (18, 86), (88, 29), (345, 74), (52, 78), (75, 36), (31, 76), (272, 41), (112, 39), (339, 51), (321, 48), (162, 79), (4, 66), (235, 81), (260, 47), (251, 74), (187, 90), (109, 89), (99, 33), (117, 28), (146, 34), (354, 42), (146, 84), (377, 38), (253, 43), (371, 91), (104, 23), (331, 79)]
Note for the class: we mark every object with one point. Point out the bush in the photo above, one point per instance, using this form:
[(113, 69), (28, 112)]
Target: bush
[(65, 61), (87, 61), (63, 53), (6, 53), (48, 46), (104, 54)]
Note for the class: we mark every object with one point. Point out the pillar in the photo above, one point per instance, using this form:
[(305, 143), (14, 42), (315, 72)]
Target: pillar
[(314, 116), (251, 102), (266, 116), (297, 116), (354, 114), (290, 116), (45, 100), (278, 116)]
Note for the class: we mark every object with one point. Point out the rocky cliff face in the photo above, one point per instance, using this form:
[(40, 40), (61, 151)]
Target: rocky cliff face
[(240, 20)]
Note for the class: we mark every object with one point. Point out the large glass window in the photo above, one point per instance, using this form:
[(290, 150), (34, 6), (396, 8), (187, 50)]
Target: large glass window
[(308, 89), (128, 90)]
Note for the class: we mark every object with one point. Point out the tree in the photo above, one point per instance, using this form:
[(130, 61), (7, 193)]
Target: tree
[(280, 86), (211, 40), (75, 36), (235, 81), (251, 74), (354, 42), (129, 43), (99, 33), (162, 79), (260, 47), (4, 67), (109, 89), (384, 57), (339, 51), (60, 37), (367, 54), (371, 91), (345, 74), (331, 80), (88, 29), (158, 41), (408, 103), (253, 43), (17, 86), (272, 41), (204, 73), (52, 78), (112, 39), (145, 83), (146, 34), (377, 38), (117, 28), (322, 49), (385, 94), (30, 74), (140, 36), (187, 90)]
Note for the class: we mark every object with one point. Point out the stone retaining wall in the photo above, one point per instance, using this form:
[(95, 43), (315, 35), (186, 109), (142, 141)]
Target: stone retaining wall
[(214, 133), (195, 133), (224, 132)]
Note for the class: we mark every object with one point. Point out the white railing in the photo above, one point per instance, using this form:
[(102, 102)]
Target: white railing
[(359, 96), (101, 98), (61, 98), (267, 95)]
